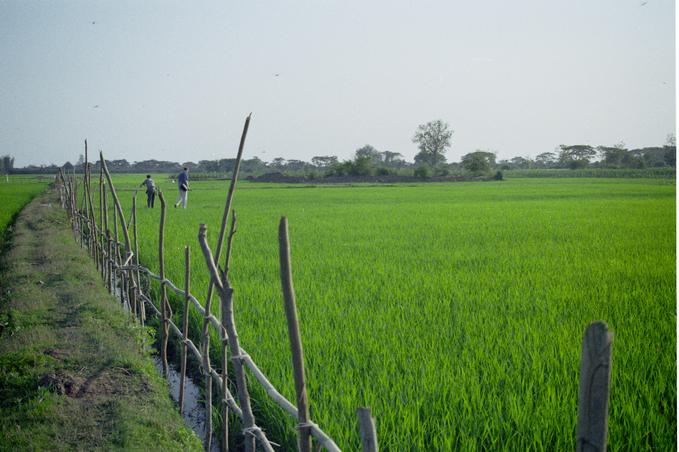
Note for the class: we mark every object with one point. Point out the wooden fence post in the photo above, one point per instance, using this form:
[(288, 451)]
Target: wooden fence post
[(250, 430), (595, 379), (366, 424), (227, 208), (163, 292), (128, 245), (115, 255), (294, 336), (225, 338), (102, 256), (185, 325), (141, 307)]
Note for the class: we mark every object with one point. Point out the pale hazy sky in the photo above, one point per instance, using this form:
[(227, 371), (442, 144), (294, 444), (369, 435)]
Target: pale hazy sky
[(174, 80)]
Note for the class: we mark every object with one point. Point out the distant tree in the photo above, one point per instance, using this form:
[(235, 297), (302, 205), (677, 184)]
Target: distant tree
[(361, 166), (546, 160), (576, 156), (209, 166), (295, 165), (670, 150), (191, 166), (324, 161), (253, 165), (6, 164), (670, 156), (478, 161), (370, 152), (391, 158), (614, 156), (521, 163), (433, 140), (278, 163), (68, 166), (423, 171), (654, 157)]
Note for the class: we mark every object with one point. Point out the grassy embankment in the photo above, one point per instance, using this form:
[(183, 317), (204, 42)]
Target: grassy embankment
[(455, 311), (72, 376)]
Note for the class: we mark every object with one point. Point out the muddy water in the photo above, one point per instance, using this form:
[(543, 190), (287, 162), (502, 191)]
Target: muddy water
[(194, 410)]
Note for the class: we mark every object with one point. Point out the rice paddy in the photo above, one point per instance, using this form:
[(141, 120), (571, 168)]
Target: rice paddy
[(15, 193), (454, 311)]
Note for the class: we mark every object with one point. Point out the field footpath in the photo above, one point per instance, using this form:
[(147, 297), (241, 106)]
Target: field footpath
[(72, 373)]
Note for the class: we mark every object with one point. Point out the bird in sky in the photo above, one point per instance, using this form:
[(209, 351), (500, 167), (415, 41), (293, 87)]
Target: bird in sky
[(276, 75), (643, 3), (93, 22), (96, 106)]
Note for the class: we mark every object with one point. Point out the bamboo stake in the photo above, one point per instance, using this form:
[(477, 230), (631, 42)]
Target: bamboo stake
[(250, 430), (304, 440), (225, 339), (133, 292), (595, 380), (141, 307), (92, 218), (101, 224), (115, 253), (366, 424), (121, 215), (163, 292), (108, 241), (185, 324), (227, 208)]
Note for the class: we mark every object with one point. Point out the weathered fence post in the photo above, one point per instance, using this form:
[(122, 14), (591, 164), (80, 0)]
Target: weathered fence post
[(185, 325), (116, 255), (250, 430), (366, 424), (141, 307), (595, 379), (225, 337), (227, 206), (295, 338), (102, 230), (165, 305)]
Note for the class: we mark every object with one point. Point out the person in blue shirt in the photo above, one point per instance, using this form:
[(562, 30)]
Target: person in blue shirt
[(150, 190), (183, 185)]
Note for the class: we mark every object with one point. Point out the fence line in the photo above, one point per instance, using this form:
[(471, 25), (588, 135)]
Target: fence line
[(123, 278), (117, 259)]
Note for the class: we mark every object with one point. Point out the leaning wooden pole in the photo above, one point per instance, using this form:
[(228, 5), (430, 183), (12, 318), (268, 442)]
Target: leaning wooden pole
[(165, 306), (304, 431), (250, 430), (185, 324), (227, 207), (595, 381), (116, 257), (102, 255), (225, 339), (137, 289), (128, 245), (107, 232)]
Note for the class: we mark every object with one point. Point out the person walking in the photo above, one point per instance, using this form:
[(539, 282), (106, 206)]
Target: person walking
[(183, 185), (150, 190)]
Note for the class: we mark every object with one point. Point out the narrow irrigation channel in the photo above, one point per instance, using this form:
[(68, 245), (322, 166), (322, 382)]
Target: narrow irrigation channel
[(194, 408)]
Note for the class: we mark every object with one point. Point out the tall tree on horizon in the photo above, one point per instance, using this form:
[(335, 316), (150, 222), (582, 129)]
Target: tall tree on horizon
[(433, 140)]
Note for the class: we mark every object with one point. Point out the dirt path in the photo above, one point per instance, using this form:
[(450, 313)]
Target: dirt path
[(72, 374)]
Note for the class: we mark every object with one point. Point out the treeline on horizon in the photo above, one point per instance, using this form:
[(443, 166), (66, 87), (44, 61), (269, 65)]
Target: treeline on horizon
[(433, 141)]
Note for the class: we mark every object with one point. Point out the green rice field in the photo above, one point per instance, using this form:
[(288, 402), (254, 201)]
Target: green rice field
[(15, 193), (454, 311)]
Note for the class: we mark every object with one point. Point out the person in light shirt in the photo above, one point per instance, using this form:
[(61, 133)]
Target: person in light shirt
[(183, 185)]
